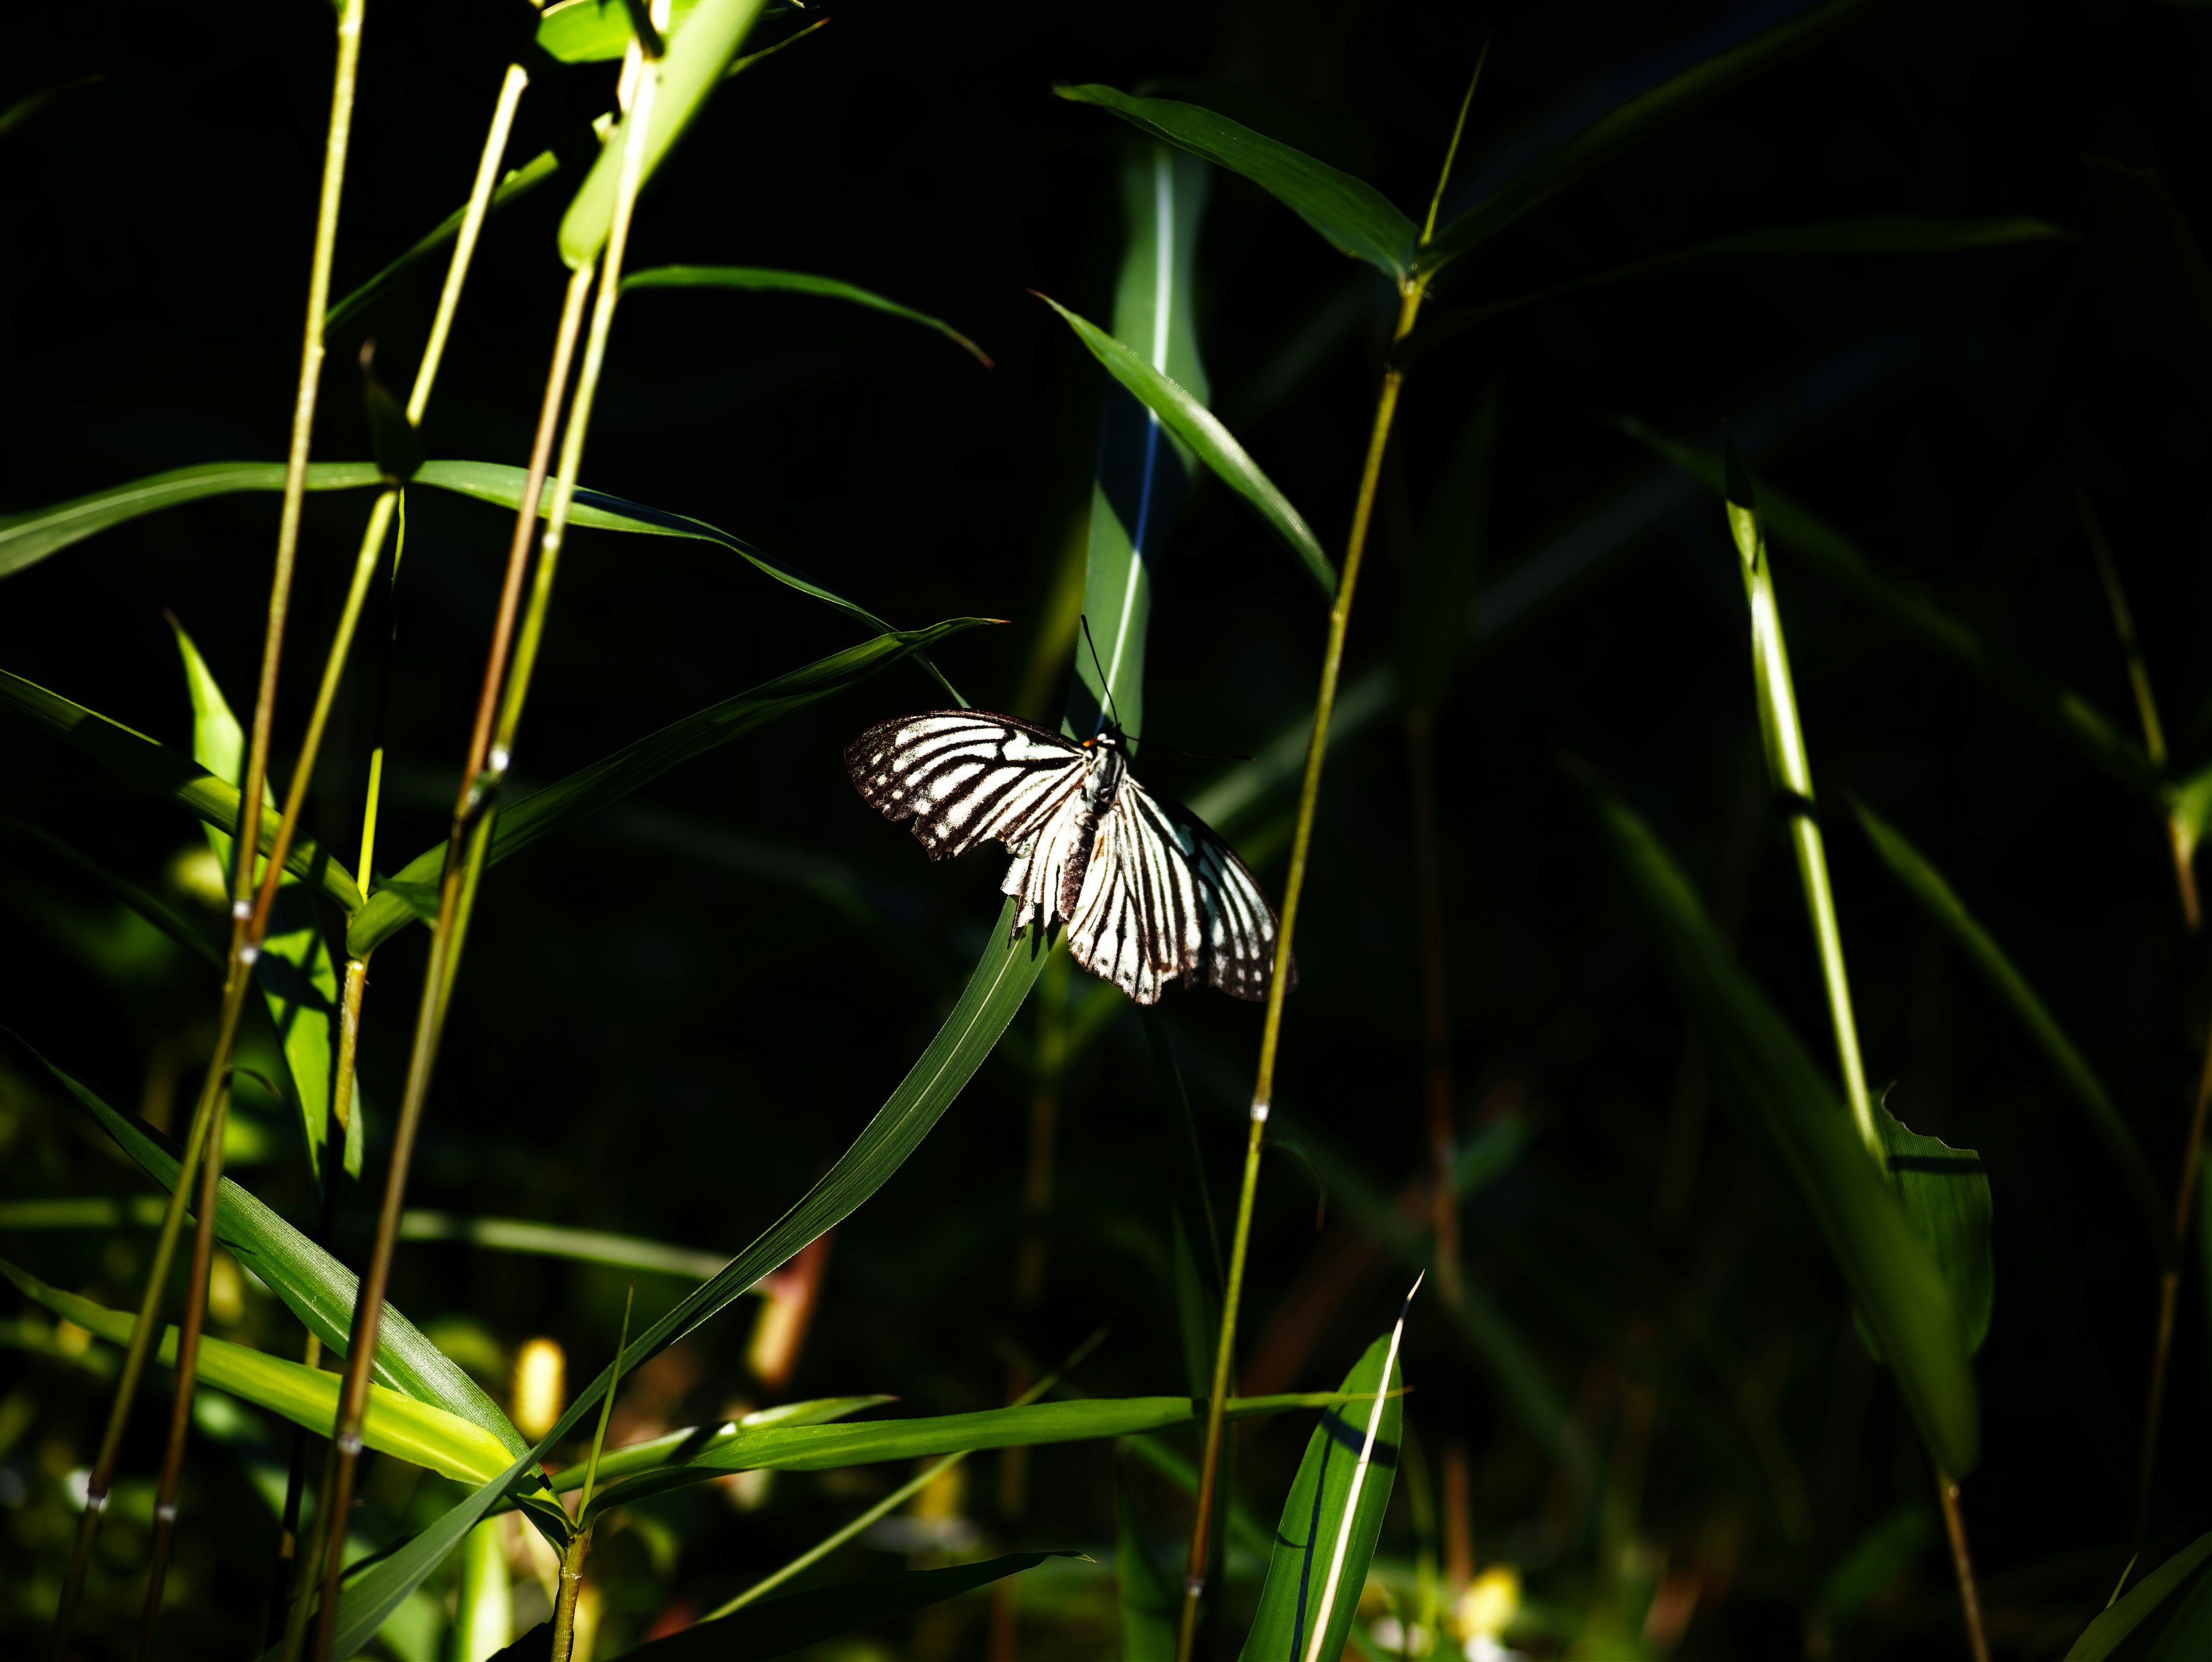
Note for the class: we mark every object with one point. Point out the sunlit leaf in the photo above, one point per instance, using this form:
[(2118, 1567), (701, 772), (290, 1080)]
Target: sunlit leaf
[(156, 768), (27, 537), (1907, 605), (1563, 163), (1893, 1278), (299, 982), (416, 1432), (764, 279), (1927, 886), (597, 31), (1305, 1537), (402, 901), (1196, 426), (2145, 1599), (1945, 1192), (1354, 217), (697, 56)]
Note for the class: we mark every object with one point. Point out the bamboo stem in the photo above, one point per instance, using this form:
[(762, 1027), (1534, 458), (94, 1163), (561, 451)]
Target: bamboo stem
[(1340, 619), (1962, 1561)]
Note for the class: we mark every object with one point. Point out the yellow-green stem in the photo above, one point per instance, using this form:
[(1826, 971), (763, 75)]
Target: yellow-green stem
[(572, 1585), (1962, 1562), (464, 245), (1340, 619)]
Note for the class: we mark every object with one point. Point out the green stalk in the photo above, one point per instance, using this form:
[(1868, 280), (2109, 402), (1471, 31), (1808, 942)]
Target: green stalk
[(239, 977), (580, 1543), (1340, 619), (475, 814), (1790, 772), (897, 1498)]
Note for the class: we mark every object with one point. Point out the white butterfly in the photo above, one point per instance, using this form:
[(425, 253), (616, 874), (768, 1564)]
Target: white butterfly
[(1148, 891)]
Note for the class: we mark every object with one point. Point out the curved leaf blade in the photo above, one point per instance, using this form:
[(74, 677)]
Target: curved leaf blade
[(1894, 1279), (1200, 430), (419, 1433), (1351, 214), (598, 31), (398, 902), (1926, 884), (2103, 1636), (27, 537), (762, 279)]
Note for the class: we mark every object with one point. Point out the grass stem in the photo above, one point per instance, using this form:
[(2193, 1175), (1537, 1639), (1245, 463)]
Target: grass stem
[(1962, 1561), (1340, 620)]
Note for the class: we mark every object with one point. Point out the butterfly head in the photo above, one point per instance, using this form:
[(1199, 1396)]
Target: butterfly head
[(1109, 737)]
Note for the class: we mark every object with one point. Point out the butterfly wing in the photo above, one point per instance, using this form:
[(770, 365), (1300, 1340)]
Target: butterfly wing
[(1166, 897), (965, 777)]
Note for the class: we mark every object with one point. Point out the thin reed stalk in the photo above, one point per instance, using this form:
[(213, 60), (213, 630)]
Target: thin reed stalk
[(476, 811), (238, 978), (2169, 1297), (1340, 620)]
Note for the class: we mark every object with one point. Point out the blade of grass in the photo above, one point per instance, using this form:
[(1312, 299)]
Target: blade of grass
[(2103, 1636), (1351, 214), (1351, 1516), (761, 279), (1944, 907)]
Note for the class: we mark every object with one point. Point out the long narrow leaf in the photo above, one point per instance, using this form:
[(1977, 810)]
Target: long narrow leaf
[(1198, 427), (2103, 1636), (1351, 215), (1899, 1290), (156, 768), (1927, 886), (1621, 128), (404, 897), (27, 537), (416, 1432), (767, 279), (147, 905)]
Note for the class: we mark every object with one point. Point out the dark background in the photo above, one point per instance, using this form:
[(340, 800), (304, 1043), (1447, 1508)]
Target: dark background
[(656, 1035)]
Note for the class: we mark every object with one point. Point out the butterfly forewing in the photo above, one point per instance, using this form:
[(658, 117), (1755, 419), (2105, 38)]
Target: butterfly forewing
[(964, 777)]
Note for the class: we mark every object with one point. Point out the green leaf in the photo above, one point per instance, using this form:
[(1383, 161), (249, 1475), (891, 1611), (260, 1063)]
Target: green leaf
[(1143, 471), (1148, 1603), (1245, 1530), (764, 279), (150, 906), (1632, 122), (299, 982), (660, 1452), (2102, 1636), (1906, 604), (516, 182), (1948, 911), (555, 1241), (2144, 234), (746, 1447), (1871, 236), (313, 1285), (597, 31), (1894, 1279), (27, 537), (1351, 215), (1305, 1537), (697, 56), (1882, 1555), (1198, 1309), (416, 1432), (1196, 426), (1438, 608), (156, 768), (2187, 1635), (397, 904), (776, 1627), (1945, 1192)]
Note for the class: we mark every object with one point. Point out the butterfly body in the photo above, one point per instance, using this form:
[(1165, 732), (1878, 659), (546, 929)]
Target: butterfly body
[(1147, 890)]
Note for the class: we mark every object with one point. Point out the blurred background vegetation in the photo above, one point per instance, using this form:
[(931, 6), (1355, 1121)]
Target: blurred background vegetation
[(673, 1018)]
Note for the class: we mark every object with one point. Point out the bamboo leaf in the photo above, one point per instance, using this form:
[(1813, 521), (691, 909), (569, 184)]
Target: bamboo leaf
[(156, 767), (1907, 605), (1351, 216), (1894, 1279), (1927, 886), (1593, 145), (597, 31), (764, 279), (516, 182), (313, 1285), (830, 1447), (299, 982), (2103, 1636), (1945, 1192), (1305, 1536), (555, 1241), (676, 1446), (1143, 470), (1436, 611), (27, 537), (697, 56), (417, 1432), (400, 902), (776, 1627), (1196, 426)]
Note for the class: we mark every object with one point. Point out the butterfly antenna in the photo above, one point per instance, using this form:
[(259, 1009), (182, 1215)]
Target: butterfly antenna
[(1104, 686)]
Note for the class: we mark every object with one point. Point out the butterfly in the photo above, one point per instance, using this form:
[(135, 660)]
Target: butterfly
[(1148, 890)]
